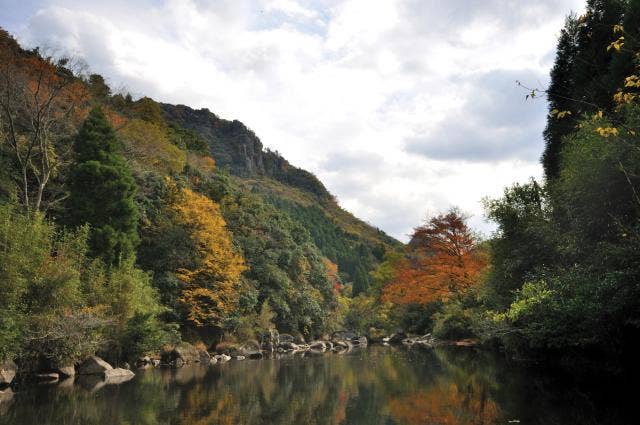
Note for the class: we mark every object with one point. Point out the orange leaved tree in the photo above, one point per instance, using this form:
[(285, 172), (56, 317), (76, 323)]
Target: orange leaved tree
[(212, 286), (442, 259)]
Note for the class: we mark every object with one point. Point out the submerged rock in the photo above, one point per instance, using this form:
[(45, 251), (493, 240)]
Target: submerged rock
[(94, 365)]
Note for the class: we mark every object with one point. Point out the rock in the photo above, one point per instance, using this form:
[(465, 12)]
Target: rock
[(204, 356), (187, 352), (359, 340), (7, 372), (117, 376), (213, 360), (155, 362), (126, 365), (94, 366), (288, 346), (47, 377), (317, 345), (66, 371), (313, 352), (397, 338), (178, 362), (240, 357), (222, 357)]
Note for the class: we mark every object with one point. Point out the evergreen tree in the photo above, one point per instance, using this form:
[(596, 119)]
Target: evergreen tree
[(102, 192)]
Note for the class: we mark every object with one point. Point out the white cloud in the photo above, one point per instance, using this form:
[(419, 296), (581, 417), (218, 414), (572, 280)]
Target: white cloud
[(401, 107)]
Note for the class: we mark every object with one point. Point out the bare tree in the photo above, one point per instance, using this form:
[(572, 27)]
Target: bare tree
[(38, 99)]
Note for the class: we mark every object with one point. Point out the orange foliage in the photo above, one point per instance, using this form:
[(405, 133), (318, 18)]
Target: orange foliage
[(332, 274), (446, 404), (442, 259), (212, 288)]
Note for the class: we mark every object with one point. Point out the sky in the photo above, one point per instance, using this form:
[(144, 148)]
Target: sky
[(403, 108)]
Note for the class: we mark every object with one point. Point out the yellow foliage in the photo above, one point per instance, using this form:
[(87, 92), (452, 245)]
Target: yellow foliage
[(607, 131), (211, 288), (559, 114), (616, 45), (149, 145), (632, 81)]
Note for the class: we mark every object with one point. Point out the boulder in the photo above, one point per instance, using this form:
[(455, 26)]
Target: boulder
[(187, 352), (155, 362), (317, 345), (66, 371), (7, 372), (204, 356), (222, 357), (117, 376), (359, 340), (240, 357), (255, 355), (287, 346), (94, 365)]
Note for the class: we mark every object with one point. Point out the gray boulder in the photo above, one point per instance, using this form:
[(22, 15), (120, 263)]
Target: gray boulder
[(94, 365), (117, 376), (7, 372)]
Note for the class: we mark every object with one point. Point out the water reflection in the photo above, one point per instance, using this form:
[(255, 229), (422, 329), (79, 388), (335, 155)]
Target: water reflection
[(379, 385)]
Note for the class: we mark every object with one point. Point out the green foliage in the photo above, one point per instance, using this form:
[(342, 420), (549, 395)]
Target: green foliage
[(144, 334), (102, 192), (453, 321)]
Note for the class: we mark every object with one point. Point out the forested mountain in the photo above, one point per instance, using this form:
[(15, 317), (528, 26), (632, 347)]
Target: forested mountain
[(151, 222), (355, 246)]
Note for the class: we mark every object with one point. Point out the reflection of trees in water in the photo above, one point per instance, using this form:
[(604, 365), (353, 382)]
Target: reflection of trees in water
[(375, 386)]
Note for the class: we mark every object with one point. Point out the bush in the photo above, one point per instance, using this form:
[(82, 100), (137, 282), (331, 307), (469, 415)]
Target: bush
[(453, 322)]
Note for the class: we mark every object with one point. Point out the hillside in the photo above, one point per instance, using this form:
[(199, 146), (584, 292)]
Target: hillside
[(355, 246)]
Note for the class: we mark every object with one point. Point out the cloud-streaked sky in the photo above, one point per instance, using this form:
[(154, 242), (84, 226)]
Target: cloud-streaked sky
[(403, 108)]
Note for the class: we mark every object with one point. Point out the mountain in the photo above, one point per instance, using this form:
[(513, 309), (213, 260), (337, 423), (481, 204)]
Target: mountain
[(354, 245)]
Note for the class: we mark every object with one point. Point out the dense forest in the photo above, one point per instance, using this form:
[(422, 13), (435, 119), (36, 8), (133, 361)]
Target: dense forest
[(129, 224)]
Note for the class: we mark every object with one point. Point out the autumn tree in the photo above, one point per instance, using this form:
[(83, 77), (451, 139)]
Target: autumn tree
[(39, 98), (442, 260), (210, 292)]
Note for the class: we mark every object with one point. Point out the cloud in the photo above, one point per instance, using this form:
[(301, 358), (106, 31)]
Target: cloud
[(401, 107)]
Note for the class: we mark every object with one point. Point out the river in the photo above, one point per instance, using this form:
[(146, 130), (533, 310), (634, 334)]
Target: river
[(377, 385)]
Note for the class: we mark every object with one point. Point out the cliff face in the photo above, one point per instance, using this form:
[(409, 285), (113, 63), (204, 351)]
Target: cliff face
[(237, 148)]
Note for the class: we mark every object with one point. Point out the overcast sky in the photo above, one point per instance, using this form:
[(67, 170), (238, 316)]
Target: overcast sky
[(403, 108)]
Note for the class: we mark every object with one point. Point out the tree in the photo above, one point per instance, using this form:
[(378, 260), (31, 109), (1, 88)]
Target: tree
[(211, 288), (39, 98), (102, 192), (443, 260)]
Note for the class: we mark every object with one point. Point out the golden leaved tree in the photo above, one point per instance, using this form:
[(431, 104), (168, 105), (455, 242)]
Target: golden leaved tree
[(212, 287)]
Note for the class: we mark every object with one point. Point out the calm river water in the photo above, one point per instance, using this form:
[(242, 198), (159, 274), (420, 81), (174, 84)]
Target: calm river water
[(378, 385)]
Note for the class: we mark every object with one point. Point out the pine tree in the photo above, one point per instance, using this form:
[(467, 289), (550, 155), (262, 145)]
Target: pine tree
[(102, 192)]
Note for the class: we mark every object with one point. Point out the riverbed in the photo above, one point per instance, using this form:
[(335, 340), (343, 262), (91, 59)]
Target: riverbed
[(375, 385)]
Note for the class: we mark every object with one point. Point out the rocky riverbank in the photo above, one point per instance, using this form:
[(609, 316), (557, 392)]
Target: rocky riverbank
[(94, 372)]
